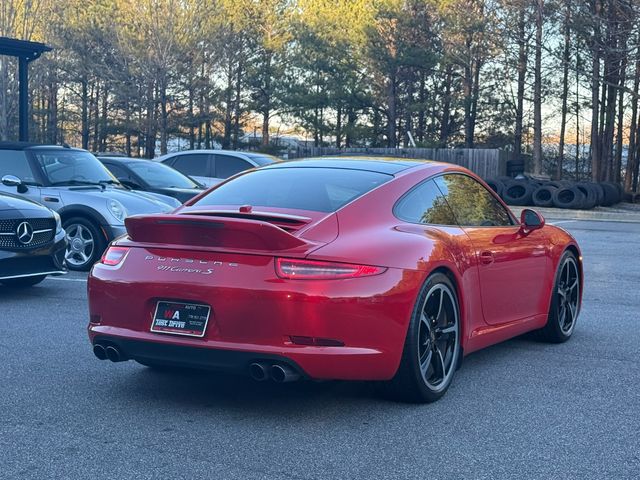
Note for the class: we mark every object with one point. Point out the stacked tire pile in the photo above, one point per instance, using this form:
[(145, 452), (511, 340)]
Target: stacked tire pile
[(559, 194)]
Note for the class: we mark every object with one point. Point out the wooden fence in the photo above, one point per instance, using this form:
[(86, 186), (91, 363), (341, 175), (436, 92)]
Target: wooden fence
[(485, 162)]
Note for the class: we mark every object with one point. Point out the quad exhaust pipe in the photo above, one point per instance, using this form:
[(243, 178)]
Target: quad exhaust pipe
[(100, 352), (259, 371), (110, 352), (279, 373), (113, 354), (283, 373)]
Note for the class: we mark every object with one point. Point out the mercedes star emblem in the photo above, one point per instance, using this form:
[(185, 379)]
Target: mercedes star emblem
[(24, 232)]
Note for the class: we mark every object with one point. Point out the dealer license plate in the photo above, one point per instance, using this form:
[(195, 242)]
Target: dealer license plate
[(179, 318)]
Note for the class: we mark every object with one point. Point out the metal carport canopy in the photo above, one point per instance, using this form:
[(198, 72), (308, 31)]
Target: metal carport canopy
[(26, 52)]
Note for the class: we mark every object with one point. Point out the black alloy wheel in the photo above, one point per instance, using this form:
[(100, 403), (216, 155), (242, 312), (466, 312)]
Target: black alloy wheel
[(432, 346), (565, 301)]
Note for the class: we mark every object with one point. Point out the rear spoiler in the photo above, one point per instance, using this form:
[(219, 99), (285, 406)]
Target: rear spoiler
[(234, 234)]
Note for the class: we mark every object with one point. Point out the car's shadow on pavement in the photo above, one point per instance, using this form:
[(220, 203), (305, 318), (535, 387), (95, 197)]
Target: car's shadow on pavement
[(176, 389), (214, 390), (41, 290), (13, 293)]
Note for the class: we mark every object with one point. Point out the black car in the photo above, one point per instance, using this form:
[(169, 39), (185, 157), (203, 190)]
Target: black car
[(148, 176), (32, 242)]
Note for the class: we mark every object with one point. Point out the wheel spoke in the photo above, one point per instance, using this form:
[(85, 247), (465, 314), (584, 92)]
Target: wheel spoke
[(573, 285), (572, 311), (440, 332), (562, 317), (425, 361), (424, 320), (439, 364)]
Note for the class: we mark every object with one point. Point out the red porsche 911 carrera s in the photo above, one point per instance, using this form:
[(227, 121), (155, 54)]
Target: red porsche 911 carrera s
[(341, 268)]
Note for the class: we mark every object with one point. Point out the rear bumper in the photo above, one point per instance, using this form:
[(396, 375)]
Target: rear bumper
[(308, 361), (326, 363)]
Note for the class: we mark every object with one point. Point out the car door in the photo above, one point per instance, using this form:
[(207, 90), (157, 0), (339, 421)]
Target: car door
[(228, 165), (426, 212), (198, 166), (17, 164), (513, 267)]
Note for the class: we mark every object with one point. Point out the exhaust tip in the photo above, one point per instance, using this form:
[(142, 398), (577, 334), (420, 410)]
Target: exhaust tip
[(113, 354), (100, 352), (258, 371), (283, 373)]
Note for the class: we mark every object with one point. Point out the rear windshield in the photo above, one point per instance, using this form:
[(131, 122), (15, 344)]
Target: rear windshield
[(262, 159), (315, 189), (159, 175)]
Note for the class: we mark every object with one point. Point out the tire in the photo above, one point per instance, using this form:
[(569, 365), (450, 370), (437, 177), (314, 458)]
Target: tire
[(557, 183), (611, 194), (543, 196), (590, 194), (86, 243), (599, 192), (568, 197), (620, 189), (562, 318), (426, 371), (496, 185), (23, 282), (534, 182), (518, 192)]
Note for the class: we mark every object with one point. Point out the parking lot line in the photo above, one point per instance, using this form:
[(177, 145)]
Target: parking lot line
[(562, 221), (67, 279)]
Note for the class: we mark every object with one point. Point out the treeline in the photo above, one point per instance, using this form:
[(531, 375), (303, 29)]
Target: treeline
[(557, 79)]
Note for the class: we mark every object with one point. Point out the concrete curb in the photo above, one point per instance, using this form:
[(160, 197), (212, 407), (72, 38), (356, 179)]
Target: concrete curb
[(600, 214)]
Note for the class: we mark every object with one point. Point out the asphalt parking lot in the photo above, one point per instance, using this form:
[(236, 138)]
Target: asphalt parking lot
[(519, 409)]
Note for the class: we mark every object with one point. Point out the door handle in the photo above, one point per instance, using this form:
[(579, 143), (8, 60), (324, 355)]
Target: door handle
[(486, 257)]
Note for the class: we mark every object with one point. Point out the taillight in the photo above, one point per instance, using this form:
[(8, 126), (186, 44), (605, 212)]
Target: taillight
[(318, 270), (114, 255)]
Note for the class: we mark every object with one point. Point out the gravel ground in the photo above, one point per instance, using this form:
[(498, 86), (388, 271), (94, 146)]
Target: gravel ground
[(519, 409)]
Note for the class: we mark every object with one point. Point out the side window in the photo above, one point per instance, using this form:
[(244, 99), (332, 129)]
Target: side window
[(425, 204), (193, 164), (226, 166), (14, 162), (117, 171), (472, 204)]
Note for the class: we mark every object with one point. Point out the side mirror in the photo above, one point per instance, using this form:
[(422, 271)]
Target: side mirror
[(13, 181), (530, 220)]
